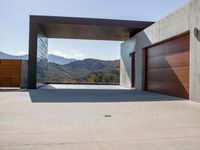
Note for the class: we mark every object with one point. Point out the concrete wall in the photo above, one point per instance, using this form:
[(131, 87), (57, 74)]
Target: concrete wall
[(125, 62), (38, 51), (24, 74), (194, 51), (179, 22), (32, 61)]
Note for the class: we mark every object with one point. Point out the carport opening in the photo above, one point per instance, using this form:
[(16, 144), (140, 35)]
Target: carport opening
[(90, 62), (43, 28)]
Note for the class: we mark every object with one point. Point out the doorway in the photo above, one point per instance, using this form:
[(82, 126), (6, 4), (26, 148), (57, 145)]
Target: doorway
[(133, 69)]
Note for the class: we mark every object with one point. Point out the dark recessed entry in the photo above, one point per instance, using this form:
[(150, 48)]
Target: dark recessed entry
[(133, 69)]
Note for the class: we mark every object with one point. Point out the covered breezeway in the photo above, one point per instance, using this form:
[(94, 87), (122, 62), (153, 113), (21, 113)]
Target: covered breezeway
[(44, 27)]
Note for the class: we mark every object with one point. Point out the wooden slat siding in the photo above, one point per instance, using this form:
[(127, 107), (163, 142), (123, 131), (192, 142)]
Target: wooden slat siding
[(167, 67), (10, 73)]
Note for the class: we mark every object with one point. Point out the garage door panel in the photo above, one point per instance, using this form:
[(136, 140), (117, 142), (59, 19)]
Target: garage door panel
[(169, 74), (172, 60), (156, 86), (156, 51), (180, 44), (176, 73), (177, 60), (156, 62), (175, 51), (167, 71), (156, 74), (175, 89), (171, 49), (168, 88)]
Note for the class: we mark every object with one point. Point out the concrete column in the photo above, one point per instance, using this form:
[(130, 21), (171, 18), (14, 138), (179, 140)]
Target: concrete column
[(141, 42), (125, 62), (24, 74), (32, 62), (194, 51), (38, 53)]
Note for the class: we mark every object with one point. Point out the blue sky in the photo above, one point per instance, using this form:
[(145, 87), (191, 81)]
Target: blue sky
[(14, 24)]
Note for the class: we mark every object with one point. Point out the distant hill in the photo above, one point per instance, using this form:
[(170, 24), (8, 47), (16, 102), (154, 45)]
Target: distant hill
[(86, 66), (51, 58), (8, 56), (85, 71), (59, 60), (64, 70)]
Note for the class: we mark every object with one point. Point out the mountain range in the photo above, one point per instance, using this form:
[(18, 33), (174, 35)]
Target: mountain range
[(85, 71), (8, 56), (51, 58), (64, 70)]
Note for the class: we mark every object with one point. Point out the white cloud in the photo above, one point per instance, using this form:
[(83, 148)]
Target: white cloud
[(72, 53)]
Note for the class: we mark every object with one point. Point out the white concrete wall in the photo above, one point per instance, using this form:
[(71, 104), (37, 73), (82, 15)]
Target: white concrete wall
[(194, 51), (125, 62), (24, 74)]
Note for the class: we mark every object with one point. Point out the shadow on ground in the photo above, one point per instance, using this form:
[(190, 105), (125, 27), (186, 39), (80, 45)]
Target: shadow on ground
[(89, 95)]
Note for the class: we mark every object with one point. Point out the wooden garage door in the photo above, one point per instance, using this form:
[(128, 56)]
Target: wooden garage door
[(167, 67), (10, 73)]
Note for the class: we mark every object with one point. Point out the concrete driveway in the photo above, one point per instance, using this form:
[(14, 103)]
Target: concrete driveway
[(148, 121)]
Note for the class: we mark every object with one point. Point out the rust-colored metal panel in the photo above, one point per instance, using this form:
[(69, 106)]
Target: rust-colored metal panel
[(10, 73), (167, 67)]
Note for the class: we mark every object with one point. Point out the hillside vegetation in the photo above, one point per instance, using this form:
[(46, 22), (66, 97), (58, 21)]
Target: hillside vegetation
[(66, 70), (85, 71)]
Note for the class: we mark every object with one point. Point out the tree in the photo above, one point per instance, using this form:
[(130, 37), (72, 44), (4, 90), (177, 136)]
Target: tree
[(107, 77), (92, 78)]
